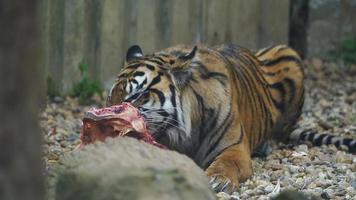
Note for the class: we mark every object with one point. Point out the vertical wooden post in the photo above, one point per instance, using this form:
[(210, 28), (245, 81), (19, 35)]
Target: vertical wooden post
[(298, 25), (21, 89)]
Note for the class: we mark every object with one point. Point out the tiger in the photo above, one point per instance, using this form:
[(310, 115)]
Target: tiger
[(218, 105)]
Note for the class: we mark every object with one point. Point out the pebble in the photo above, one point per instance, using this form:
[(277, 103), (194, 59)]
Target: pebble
[(58, 99), (325, 195), (353, 183), (52, 156), (293, 169), (235, 196), (269, 188), (223, 196), (302, 148)]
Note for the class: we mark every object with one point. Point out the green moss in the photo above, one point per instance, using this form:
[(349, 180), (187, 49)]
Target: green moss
[(345, 51), (348, 50), (86, 88)]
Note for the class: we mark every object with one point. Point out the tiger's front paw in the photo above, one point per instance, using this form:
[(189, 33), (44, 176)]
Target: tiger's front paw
[(220, 183)]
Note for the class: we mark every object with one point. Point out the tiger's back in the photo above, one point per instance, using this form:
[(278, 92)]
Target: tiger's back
[(282, 68)]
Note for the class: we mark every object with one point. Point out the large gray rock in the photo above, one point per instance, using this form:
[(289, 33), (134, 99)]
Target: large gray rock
[(125, 168)]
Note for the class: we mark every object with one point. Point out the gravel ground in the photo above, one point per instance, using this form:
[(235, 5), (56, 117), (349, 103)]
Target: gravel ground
[(325, 172)]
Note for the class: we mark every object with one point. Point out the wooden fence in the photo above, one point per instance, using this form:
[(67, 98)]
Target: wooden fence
[(100, 31)]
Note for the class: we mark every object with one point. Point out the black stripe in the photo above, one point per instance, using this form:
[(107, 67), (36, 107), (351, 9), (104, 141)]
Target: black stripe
[(208, 117), (160, 59), (222, 150), (347, 142), (265, 120), (155, 61), (138, 73), (286, 69), (352, 147), (291, 85), (329, 139), (206, 74), (134, 65), (130, 89), (202, 109), (150, 67), (173, 97), (302, 136), (134, 81), (238, 141), (133, 97), (156, 80), (174, 104), (271, 73), (159, 94), (225, 125), (319, 140), (280, 87), (269, 63), (310, 136), (261, 53), (142, 84)]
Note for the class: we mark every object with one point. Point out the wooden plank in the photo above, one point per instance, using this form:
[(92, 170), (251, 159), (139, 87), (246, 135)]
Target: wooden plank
[(243, 23), (186, 22), (111, 52), (163, 23), (147, 29), (53, 28), (215, 21), (274, 22), (92, 36), (130, 29), (74, 41)]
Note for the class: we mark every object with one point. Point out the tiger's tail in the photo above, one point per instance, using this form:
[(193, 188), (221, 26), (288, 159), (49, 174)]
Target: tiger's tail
[(309, 136)]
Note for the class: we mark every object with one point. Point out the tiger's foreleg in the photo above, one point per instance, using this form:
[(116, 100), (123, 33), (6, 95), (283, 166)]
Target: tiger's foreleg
[(230, 168)]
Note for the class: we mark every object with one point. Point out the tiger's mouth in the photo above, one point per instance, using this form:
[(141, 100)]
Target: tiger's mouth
[(114, 121)]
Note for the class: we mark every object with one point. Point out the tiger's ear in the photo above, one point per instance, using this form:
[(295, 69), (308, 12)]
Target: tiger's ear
[(181, 72), (188, 56), (134, 52)]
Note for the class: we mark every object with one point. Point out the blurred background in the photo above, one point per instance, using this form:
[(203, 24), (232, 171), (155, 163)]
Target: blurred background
[(94, 34)]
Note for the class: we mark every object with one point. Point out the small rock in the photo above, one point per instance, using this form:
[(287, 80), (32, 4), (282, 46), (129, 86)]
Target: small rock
[(353, 183), (293, 169), (59, 137), (341, 157), (302, 148), (235, 196), (325, 195), (58, 99), (72, 137), (52, 156), (64, 143), (223, 196), (350, 189), (269, 189)]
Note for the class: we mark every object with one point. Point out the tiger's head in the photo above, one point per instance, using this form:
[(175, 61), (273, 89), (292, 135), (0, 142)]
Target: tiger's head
[(153, 83)]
